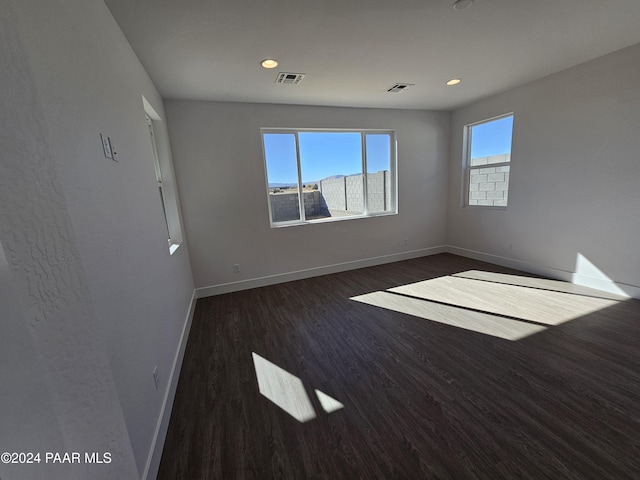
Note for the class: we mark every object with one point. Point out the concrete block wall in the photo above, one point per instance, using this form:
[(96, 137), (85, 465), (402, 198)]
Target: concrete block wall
[(379, 191), (345, 194), (489, 186), (315, 205), (285, 206), (333, 192), (354, 192), (335, 197)]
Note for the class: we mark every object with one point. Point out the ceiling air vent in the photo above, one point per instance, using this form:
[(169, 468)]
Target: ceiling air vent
[(287, 78), (400, 87)]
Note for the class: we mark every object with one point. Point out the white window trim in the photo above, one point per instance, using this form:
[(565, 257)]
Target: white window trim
[(393, 172), (165, 178), (466, 161)]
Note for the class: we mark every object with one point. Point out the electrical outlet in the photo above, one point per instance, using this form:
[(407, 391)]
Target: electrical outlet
[(156, 378), (236, 267)]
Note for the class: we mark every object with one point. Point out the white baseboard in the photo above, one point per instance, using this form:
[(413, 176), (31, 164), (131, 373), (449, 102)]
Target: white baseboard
[(606, 285), (159, 436), (314, 272), (550, 272), (512, 263)]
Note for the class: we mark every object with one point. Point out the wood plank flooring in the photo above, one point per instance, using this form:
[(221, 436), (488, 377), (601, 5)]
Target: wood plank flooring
[(421, 399)]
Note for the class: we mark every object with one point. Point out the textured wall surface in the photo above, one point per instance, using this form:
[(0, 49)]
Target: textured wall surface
[(85, 236), (28, 417), (47, 275)]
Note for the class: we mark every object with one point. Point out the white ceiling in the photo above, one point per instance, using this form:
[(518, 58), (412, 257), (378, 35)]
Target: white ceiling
[(353, 50)]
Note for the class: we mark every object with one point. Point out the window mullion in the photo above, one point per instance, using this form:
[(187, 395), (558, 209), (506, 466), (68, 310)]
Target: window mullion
[(303, 217), (468, 186), (156, 158), (365, 193), (393, 171)]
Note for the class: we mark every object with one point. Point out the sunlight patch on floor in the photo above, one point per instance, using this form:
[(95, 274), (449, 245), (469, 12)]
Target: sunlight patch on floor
[(457, 317), (506, 306), (284, 389), (539, 283), (288, 392), (522, 302), (329, 404)]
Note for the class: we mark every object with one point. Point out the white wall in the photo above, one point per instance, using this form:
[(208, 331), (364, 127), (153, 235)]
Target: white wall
[(220, 171), (70, 75), (28, 421), (574, 184)]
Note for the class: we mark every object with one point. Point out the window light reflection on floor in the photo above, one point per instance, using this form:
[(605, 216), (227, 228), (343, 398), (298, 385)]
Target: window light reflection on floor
[(329, 404), (283, 389), (541, 284), (547, 307), (288, 392), (457, 317), (511, 307)]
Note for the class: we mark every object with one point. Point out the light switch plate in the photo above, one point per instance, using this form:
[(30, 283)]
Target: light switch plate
[(106, 146)]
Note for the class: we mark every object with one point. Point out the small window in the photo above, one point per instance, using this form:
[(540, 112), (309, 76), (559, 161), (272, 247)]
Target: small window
[(156, 163), (488, 162), (164, 176), (322, 175)]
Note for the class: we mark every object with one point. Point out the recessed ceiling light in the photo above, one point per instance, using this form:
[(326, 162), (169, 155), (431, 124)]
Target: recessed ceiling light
[(454, 81), (269, 63), (460, 4)]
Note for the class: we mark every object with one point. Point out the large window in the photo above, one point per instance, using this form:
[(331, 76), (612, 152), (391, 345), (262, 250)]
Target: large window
[(488, 162), (320, 175)]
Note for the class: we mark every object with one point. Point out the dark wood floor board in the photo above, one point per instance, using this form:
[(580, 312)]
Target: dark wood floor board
[(422, 400)]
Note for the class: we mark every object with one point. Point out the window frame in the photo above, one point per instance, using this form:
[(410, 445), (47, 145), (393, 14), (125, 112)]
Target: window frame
[(164, 176), (393, 173), (156, 164), (468, 168)]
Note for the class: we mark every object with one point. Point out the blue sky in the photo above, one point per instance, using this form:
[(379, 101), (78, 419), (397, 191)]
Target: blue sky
[(323, 154), (492, 138)]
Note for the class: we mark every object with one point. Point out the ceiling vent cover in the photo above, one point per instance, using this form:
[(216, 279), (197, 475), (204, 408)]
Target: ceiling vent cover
[(400, 87), (287, 78)]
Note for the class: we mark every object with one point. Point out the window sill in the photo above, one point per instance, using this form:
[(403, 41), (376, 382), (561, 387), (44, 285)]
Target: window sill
[(296, 223), (486, 207)]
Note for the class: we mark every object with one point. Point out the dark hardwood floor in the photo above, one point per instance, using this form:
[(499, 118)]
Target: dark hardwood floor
[(422, 399)]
